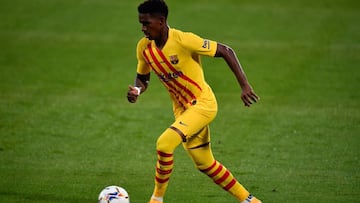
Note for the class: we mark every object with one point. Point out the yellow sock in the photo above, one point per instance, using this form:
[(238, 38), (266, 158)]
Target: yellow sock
[(166, 145), (164, 168), (223, 177)]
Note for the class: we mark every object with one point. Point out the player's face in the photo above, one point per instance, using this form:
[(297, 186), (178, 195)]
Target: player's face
[(151, 25)]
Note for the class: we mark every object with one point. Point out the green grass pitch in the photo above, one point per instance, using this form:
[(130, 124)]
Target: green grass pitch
[(67, 130)]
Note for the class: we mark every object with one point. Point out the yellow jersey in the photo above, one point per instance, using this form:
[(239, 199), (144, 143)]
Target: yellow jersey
[(178, 65)]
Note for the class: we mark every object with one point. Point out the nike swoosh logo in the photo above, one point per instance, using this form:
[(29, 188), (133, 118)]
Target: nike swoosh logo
[(181, 123)]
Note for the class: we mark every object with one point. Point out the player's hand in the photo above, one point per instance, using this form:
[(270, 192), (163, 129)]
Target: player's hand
[(132, 94), (248, 96)]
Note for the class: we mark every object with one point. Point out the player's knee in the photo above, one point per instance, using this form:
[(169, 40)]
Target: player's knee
[(163, 146), (202, 166), (168, 141), (202, 157), (202, 162)]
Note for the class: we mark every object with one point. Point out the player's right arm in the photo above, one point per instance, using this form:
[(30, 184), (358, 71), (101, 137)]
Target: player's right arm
[(140, 85), (143, 74)]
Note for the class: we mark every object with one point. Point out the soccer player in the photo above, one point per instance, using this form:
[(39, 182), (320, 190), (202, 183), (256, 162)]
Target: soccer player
[(174, 56)]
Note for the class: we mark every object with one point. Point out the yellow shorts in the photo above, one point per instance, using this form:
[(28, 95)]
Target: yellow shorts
[(194, 121)]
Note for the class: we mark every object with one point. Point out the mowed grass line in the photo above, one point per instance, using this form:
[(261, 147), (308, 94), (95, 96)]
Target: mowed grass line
[(66, 129)]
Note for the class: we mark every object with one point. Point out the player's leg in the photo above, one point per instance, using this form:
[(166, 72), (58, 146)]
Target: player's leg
[(186, 123), (165, 147), (199, 149)]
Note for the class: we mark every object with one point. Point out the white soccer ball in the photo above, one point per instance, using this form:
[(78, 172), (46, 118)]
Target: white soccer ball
[(114, 194)]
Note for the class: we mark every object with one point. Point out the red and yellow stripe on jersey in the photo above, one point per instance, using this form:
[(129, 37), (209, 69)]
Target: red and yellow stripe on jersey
[(178, 65)]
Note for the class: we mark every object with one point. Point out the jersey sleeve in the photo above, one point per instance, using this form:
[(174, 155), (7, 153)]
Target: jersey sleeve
[(198, 45), (142, 66)]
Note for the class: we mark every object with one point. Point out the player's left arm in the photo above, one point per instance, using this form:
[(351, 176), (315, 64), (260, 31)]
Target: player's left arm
[(248, 95)]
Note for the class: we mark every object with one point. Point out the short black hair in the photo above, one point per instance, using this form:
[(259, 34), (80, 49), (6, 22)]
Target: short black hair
[(158, 7)]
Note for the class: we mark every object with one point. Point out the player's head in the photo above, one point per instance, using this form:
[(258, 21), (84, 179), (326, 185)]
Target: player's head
[(153, 17), (154, 7)]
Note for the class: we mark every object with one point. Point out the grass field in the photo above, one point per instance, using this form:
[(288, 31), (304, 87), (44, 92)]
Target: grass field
[(67, 130)]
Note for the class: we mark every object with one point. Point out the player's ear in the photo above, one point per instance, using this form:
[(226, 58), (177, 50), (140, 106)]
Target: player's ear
[(162, 20)]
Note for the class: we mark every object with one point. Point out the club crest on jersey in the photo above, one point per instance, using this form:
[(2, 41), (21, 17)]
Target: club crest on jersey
[(174, 59)]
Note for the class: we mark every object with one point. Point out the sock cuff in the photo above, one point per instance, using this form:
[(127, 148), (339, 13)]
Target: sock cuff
[(160, 199), (248, 199)]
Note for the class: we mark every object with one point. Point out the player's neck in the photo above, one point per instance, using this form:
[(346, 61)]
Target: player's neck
[(160, 43)]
